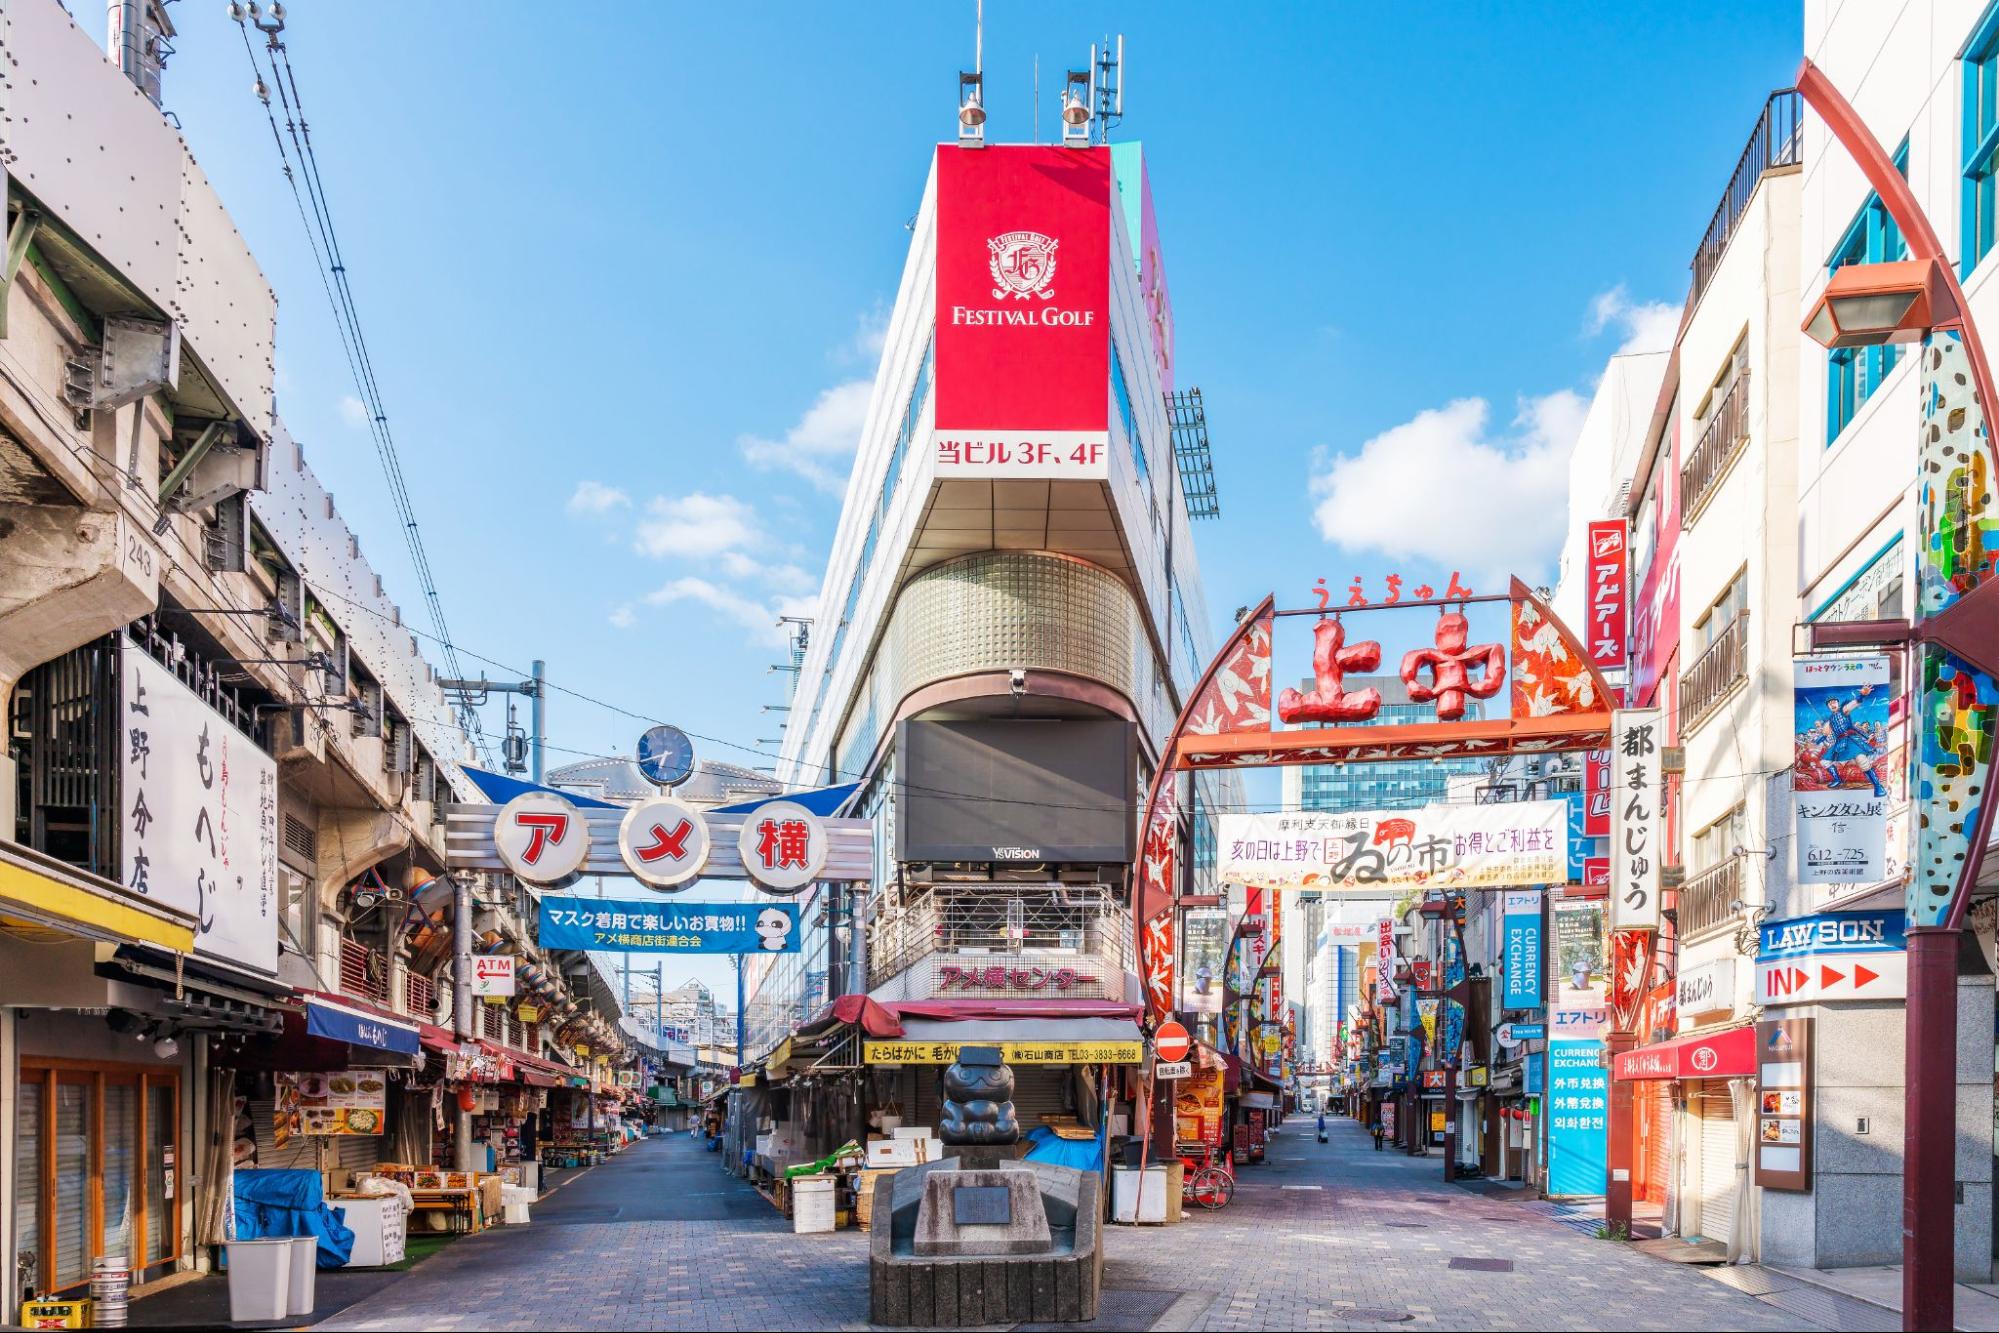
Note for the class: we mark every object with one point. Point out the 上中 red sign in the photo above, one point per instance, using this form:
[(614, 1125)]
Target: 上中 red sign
[(1023, 312), (1609, 593)]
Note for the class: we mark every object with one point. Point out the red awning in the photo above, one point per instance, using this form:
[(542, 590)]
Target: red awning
[(436, 1038), (1727, 1054), (534, 1078)]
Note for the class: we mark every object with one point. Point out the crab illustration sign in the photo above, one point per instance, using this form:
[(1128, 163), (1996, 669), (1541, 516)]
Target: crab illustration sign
[(1502, 675)]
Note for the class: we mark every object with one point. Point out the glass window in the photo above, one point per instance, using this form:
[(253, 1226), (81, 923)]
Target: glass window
[(1731, 604), (1718, 841), (1127, 416), (1854, 373), (1980, 139)]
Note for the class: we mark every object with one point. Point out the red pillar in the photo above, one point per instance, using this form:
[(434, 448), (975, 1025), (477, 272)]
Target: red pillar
[(1928, 1191), (1623, 1126)]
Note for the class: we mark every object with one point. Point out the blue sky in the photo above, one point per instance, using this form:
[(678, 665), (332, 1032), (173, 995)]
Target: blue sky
[(632, 245)]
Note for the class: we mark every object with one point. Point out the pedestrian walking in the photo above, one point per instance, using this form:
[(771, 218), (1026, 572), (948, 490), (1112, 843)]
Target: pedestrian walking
[(1379, 1135), (1322, 1126)]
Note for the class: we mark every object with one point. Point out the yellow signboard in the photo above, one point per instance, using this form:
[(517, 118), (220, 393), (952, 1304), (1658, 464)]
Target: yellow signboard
[(1013, 1052)]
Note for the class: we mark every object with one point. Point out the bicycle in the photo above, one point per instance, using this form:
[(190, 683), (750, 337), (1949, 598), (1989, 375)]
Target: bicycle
[(1207, 1183)]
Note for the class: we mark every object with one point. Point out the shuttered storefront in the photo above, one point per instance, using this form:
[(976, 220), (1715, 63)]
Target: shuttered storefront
[(1716, 1197), (1653, 1102)]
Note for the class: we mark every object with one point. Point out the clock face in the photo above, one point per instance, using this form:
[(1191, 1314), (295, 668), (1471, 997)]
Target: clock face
[(666, 756)]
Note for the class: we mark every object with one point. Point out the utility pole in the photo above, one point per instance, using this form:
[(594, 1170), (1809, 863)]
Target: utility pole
[(518, 752), (461, 1002)]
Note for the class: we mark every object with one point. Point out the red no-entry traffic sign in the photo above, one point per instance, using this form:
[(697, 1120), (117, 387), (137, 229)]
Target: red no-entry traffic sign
[(1171, 1042)]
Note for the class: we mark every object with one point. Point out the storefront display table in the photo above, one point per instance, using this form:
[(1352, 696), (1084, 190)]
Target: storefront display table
[(460, 1206)]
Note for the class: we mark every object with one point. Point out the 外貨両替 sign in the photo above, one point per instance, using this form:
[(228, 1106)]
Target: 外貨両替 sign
[(1439, 846), (1013, 1052), (614, 925), (1840, 789), (1637, 849)]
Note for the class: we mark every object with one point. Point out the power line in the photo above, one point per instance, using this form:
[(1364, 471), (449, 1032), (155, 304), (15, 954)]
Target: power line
[(328, 257)]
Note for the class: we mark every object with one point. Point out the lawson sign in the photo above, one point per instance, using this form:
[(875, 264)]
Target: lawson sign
[(1833, 956)]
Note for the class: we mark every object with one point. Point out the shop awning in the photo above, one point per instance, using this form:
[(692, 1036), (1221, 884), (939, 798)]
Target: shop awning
[(1045, 1040), (534, 1078), (38, 890), (1727, 1054), (435, 1038), (345, 1019)]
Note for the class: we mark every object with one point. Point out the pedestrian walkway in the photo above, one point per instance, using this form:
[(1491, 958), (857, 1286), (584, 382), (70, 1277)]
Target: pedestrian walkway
[(1323, 1236)]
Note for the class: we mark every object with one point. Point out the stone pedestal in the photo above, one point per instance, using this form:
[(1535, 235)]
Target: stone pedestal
[(981, 1213)]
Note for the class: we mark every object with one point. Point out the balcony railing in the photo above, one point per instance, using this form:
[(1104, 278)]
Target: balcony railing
[(1717, 671), (364, 974), (997, 941), (1773, 143), (1708, 899), (419, 995), (1727, 432)]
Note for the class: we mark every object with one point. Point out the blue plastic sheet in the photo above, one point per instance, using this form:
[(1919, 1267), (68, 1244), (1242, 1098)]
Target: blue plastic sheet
[(271, 1204), (1082, 1154)]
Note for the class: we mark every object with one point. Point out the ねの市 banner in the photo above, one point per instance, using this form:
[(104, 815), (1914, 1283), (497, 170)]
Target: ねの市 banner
[(617, 926), (1462, 846)]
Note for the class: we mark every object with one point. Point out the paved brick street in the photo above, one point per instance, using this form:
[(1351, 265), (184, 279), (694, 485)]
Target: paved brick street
[(1321, 1237)]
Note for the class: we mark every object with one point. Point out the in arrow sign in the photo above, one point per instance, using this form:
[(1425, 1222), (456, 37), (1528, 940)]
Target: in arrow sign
[(1827, 976), (1863, 975)]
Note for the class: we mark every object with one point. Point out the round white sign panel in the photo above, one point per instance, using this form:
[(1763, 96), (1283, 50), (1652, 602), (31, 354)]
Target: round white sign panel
[(783, 846), (664, 842), (541, 837)]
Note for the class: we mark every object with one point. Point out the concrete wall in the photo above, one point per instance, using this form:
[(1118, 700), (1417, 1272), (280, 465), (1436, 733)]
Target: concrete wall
[(1853, 1214)]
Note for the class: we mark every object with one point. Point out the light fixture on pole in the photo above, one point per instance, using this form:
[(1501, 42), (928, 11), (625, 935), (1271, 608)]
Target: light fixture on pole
[(1076, 109), (1866, 305), (971, 110)]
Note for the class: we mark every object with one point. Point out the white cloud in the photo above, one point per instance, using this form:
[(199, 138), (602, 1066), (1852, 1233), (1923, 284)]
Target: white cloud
[(353, 411), (870, 334), (787, 577), (1647, 326), (821, 443), (594, 497), (697, 526), (759, 618), (1442, 487), (623, 617)]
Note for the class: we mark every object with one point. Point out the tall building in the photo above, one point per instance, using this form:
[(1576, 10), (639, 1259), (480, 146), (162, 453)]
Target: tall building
[(1013, 613)]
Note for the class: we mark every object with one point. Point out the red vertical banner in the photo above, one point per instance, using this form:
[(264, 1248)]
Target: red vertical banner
[(1596, 794), (1609, 591), (1023, 312)]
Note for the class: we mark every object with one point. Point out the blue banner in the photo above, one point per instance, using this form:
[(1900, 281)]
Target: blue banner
[(337, 1023), (614, 925), (1835, 932), (1578, 1114), (1522, 945)]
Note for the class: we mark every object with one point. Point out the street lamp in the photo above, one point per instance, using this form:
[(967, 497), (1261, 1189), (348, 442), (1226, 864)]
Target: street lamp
[(1866, 305), (1954, 657)]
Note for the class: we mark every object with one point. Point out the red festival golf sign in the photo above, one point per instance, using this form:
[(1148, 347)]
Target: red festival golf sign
[(1023, 312)]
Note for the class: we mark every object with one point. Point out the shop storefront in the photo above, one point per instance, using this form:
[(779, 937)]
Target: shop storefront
[(1714, 1073)]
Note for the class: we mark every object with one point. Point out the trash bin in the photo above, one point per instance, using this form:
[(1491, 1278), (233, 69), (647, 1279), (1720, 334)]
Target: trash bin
[(304, 1274), (260, 1279)]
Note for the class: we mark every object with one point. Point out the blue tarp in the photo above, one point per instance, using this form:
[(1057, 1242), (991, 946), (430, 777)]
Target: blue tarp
[(1083, 1154), (270, 1204)]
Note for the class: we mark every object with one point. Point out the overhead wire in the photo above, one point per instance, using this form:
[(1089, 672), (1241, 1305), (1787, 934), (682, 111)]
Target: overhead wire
[(328, 257)]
